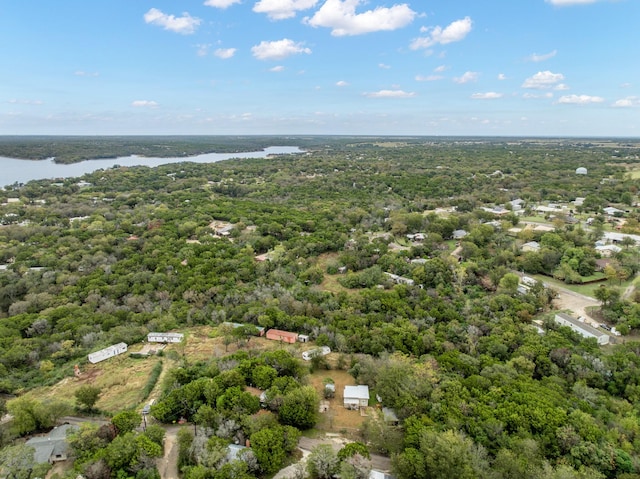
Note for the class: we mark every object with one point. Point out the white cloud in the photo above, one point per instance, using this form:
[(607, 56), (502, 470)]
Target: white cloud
[(441, 68), (466, 77), (144, 104), (225, 53), (580, 99), (628, 102), (384, 66), (534, 95), (543, 80), (276, 69), (281, 9), (81, 73), (454, 32), (342, 83), (221, 3), (278, 49), (25, 102), (429, 77), (563, 3), (390, 94), (502, 76), (534, 57), (186, 24), (491, 95), (341, 17)]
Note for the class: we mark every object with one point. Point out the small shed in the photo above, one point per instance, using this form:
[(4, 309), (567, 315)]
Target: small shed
[(356, 397), (284, 336)]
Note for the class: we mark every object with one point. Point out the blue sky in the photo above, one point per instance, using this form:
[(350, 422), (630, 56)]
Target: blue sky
[(218, 67)]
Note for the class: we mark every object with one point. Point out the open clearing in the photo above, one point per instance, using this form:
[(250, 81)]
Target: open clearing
[(337, 418)]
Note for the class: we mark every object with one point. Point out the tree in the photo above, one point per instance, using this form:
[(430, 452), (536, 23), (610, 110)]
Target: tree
[(353, 448), (322, 463), (263, 376), (607, 296), (30, 415), (272, 445), (509, 283), (126, 421), (16, 462), (87, 396), (300, 408), (355, 467)]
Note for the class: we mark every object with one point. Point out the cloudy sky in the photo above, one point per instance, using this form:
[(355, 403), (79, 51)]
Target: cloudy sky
[(428, 67)]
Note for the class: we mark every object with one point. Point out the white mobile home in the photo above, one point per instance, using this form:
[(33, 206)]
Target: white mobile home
[(107, 353), (322, 351), (165, 337), (582, 328)]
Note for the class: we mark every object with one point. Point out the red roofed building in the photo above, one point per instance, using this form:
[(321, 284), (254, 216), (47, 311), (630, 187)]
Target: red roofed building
[(278, 335)]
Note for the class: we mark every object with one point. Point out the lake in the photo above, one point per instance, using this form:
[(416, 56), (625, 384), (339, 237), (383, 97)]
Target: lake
[(22, 171)]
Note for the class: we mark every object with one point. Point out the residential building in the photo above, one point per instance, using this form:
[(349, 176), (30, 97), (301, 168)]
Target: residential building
[(284, 336), (582, 328), (165, 337), (53, 447), (356, 397), (107, 353), (321, 351)]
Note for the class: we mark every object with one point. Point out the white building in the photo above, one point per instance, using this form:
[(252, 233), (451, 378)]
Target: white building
[(582, 328), (356, 397), (322, 351), (165, 337), (107, 353), (400, 279)]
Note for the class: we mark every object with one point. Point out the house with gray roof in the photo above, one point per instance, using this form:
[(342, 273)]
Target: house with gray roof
[(356, 397), (53, 447)]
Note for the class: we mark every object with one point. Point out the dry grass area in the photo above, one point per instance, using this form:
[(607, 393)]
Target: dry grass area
[(337, 419), (122, 378)]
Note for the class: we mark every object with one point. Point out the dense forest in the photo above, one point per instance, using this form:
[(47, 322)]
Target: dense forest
[(312, 243)]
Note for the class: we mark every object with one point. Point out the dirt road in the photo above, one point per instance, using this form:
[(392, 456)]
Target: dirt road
[(575, 302), (168, 465)]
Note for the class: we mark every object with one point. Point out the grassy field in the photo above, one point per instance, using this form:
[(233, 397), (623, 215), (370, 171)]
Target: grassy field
[(586, 289)]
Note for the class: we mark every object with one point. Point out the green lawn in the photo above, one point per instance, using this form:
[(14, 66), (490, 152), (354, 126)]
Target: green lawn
[(586, 289)]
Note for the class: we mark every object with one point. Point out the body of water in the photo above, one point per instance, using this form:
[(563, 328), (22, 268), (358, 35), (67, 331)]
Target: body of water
[(22, 171)]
